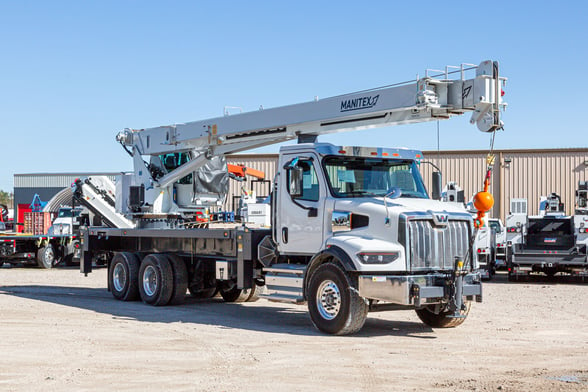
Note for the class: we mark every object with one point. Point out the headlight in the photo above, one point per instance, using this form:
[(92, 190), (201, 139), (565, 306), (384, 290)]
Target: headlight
[(377, 257)]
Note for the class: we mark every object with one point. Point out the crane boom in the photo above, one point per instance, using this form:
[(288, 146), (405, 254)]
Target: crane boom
[(424, 99)]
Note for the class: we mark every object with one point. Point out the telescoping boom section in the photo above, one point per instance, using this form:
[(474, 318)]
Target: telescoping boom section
[(425, 99)]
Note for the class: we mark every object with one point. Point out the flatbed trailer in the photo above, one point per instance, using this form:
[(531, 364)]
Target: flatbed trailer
[(233, 248)]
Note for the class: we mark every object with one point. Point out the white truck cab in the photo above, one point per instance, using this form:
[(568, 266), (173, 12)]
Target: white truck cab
[(64, 222), (368, 209)]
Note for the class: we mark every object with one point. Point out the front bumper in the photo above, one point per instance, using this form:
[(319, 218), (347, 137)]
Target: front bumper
[(417, 290)]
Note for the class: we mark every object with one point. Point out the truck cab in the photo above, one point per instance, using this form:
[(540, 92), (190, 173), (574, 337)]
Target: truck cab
[(65, 221), (368, 212)]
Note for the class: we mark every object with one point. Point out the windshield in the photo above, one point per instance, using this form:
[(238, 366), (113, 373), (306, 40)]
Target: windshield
[(360, 176), (66, 213), (549, 226), (495, 225)]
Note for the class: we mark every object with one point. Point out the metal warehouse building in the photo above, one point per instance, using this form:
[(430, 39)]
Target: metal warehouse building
[(517, 174), (527, 174), (47, 185)]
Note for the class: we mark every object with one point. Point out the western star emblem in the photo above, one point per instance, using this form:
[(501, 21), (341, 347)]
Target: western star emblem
[(440, 218)]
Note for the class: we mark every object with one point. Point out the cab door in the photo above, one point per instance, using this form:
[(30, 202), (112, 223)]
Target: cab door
[(299, 210)]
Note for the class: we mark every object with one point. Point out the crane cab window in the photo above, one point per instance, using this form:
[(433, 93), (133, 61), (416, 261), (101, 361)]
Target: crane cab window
[(174, 160)]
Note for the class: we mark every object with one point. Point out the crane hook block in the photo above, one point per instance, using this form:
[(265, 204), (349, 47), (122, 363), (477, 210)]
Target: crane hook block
[(483, 201)]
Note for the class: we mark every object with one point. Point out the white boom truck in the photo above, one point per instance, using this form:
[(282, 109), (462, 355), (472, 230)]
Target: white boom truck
[(353, 229)]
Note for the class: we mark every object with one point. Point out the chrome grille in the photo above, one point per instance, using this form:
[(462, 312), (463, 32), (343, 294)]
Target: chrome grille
[(436, 247)]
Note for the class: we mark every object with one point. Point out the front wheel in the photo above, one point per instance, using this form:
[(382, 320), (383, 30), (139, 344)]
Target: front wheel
[(335, 306), (46, 256), (442, 319)]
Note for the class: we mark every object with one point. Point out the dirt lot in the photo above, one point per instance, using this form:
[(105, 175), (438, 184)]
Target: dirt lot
[(62, 331)]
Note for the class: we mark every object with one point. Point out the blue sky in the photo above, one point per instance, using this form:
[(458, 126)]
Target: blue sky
[(72, 74)]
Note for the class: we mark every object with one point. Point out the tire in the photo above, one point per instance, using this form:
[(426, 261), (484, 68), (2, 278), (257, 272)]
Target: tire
[(442, 320), (46, 256), (68, 260), (180, 277), (550, 272), (236, 295), (156, 280), (255, 292), (123, 276), (512, 277), (334, 305), (203, 293)]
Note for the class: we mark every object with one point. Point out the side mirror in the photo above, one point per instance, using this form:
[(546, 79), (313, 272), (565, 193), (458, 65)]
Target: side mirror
[(437, 181), (295, 186)]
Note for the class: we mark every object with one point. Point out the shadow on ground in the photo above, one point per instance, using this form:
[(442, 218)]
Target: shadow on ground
[(255, 317)]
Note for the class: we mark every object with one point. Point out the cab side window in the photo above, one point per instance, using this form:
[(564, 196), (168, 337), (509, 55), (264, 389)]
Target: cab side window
[(310, 184)]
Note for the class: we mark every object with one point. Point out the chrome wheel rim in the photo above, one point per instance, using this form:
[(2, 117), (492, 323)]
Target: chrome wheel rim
[(328, 300), (49, 255), (119, 277), (150, 281)]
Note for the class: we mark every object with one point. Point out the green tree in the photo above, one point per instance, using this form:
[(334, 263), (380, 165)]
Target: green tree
[(7, 198)]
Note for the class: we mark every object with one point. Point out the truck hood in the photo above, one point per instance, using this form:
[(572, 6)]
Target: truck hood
[(402, 205), (407, 208)]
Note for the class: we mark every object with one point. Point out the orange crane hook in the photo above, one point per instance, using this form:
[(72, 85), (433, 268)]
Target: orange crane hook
[(483, 201)]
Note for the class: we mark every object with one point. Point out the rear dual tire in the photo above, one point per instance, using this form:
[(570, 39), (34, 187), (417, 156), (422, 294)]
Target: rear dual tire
[(123, 276), (180, 279), (156, 283), (158, 280), (241, 295)]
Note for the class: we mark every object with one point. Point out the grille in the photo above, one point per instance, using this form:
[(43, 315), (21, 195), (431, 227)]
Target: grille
[(436, 247)]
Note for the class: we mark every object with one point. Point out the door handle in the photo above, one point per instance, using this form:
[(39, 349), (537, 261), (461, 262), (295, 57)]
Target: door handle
[(285, 235)]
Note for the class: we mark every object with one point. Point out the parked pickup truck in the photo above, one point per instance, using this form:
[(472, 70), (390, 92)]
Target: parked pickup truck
[(549, 246)]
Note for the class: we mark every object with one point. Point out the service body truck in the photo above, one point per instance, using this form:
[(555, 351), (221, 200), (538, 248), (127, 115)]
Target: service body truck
[(552, 243)]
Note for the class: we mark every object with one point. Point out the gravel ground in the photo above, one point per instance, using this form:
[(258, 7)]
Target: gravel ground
[(61, 331)]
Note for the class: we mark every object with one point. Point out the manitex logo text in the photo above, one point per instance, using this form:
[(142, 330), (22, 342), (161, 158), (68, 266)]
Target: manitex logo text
[(359, 103)]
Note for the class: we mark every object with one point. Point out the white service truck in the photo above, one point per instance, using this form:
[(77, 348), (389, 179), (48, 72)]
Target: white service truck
[(553, 242), (352, 230)]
